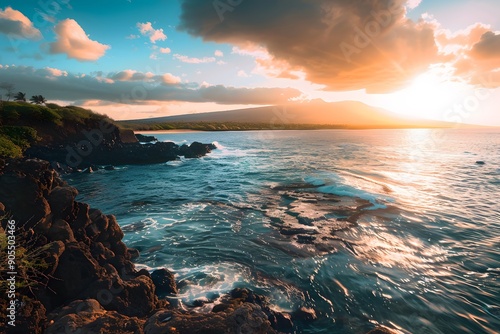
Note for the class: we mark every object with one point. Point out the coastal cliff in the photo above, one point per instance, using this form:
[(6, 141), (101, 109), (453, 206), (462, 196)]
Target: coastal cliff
[(73, 138)]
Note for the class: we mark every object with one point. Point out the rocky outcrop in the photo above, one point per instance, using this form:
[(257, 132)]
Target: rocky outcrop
[(76, 251), (145, 139), (72, 156)]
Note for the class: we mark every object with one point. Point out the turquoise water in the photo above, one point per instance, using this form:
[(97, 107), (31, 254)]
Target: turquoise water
[(424, 257)]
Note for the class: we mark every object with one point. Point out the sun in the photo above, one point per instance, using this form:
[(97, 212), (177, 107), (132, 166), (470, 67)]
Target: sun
[(428, 96)]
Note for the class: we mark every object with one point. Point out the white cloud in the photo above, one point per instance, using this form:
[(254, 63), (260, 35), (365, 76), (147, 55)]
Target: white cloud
[(165, 50), (74, 42), (132, 36), (242, 74), (146, 29), (218, 53), (190, 60), (412, 4), (56, 72), (170, 79), (16, 24)]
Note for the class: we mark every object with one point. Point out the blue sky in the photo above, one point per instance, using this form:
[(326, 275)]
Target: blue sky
[(136, 59)]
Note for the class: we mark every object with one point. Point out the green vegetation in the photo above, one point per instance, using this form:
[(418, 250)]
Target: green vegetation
[(14, 140), (30, 260), (21, 111), (23, 124)]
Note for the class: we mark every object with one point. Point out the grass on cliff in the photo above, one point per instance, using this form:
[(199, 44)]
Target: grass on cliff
[(23, 124), (30, 262)]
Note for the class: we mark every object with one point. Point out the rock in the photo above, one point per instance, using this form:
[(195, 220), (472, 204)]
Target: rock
[(60, 230), (61, 201), (480, 162), (77, 270), (88, 316), (304, 314), (305, 239), (245, 319), (145, 139), (30, 318), (294, 231), (164, 281), (381, 330), (133, 253), (196, 150), (54, 251)]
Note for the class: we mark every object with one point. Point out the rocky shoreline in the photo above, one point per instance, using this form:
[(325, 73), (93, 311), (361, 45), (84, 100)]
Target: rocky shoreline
[(83, 279)]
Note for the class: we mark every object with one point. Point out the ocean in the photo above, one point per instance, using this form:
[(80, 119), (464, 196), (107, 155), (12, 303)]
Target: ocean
[(392, 227)]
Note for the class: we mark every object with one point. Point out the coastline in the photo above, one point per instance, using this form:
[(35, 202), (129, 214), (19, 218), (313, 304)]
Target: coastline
[(156, 132)]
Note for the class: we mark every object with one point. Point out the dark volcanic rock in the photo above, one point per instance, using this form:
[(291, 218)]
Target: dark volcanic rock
[(304, 314), (145, 139), (62, 200), (116, 153), (196, 150), (164, 281), (88, 316)]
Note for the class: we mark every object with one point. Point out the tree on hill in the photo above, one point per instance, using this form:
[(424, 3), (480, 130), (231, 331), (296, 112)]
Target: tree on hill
[(9, 89), (38, 99), (20, 97)]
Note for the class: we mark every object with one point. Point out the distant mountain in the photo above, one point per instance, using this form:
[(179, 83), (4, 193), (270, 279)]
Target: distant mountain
[(347, 114)]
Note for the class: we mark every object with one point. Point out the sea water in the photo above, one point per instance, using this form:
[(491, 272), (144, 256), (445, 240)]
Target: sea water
[(424, 257)]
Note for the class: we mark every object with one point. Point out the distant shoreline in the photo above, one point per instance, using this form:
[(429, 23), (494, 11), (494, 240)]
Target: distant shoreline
[(166, 131)]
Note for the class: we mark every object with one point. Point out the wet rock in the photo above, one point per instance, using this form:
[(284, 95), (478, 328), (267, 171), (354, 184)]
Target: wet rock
[(196, 150), (304, 314), (480, 162), (294, 231), (305, 239), (145, 139), (381, 330), (164, 281), (133, 253)]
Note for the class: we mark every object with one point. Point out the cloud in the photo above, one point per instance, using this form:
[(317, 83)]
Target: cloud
[(15, 24), (132, 36), (473, 54), (74, 42), (165, 50), (218, 53), (146, 29), (488, 47), (412, 4), (242, 74), (346, 45), (190, 60), (132, 87)]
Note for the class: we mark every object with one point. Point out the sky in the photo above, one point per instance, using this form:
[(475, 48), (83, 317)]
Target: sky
[(135, 59)]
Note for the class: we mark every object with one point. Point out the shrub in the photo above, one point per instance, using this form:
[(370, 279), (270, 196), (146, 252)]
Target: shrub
[(22, 136), (8, 148)]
